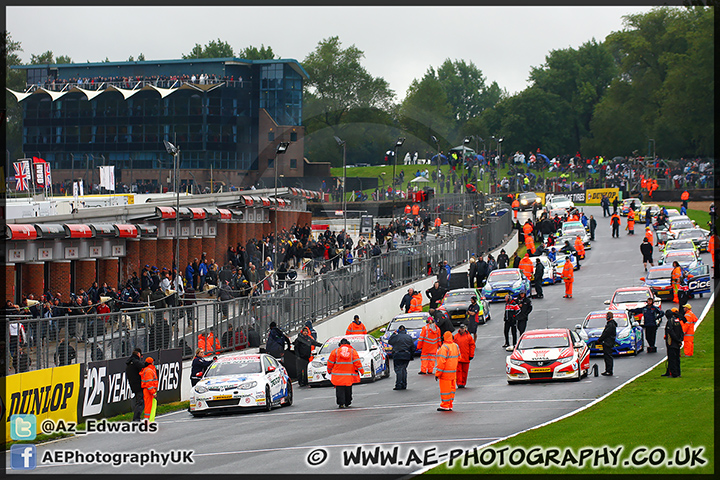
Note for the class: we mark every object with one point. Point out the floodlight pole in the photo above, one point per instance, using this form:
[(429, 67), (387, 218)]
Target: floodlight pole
[(398, 143), (281, 148)]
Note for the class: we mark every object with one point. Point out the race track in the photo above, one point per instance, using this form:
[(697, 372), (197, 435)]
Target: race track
[(313, 430)]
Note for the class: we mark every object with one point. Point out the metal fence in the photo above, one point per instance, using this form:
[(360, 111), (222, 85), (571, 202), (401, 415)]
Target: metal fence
[(243, 321)]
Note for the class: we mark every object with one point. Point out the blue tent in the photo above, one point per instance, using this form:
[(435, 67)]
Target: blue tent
[(443, 159)]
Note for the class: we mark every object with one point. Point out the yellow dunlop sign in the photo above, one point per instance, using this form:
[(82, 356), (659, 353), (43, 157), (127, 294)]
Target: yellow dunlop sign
[(50, 393), (594, 195)]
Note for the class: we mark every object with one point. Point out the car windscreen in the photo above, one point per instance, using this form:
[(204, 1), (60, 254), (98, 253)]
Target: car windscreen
[(528, 196), (657, 274), (680, 245), (500, 276), (234, 368), (458, 297), (690, 233), (633, 296), (599, 321), (559, 199), (358, 344), (681, 258), (409, 323), (545, 341), (681, 224)]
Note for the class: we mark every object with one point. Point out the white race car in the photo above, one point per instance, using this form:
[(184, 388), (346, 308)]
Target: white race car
[(372, 356), (548, 354), (242, 381)]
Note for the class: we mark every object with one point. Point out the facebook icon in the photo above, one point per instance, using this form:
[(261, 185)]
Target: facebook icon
[(23, 457)]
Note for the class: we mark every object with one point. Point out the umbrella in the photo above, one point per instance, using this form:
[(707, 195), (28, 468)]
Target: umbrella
[(543, 156), (443, 158), (618, 158), (419, 179)]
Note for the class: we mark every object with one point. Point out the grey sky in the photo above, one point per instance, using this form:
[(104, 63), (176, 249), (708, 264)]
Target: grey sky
[(400, 43)]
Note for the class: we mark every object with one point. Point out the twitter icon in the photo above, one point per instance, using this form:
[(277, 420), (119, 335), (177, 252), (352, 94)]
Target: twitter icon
[(23, 427)]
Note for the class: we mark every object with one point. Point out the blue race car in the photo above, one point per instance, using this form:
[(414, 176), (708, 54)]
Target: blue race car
[(504, 282), (551, 274), (629, 338), (697, 280), (413, 323)]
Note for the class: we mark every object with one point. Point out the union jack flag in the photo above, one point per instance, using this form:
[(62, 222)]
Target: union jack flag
[(22, 176)]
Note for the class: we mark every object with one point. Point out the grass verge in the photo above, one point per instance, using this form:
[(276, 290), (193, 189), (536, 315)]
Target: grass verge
[(161, 409), (651, 412)]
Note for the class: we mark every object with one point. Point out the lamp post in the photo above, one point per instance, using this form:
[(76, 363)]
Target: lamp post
[(175, 152), (281, 148), (398, 144), (341, 143), (437, 143)]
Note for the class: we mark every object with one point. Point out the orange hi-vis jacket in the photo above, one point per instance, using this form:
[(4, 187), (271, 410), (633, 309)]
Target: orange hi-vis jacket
[(579, 247), (466, 345), (416, 209), (515, 204), (615, 218), (526, 266), (527, 229), (429, 339), (438, 222), (447, 358), (212, 344), (631, 220), (567, 272), (345, 366), (149, 378), (676, 275), (408, 209), (356, 328), (201, 341), (649, 236), (416, 303)]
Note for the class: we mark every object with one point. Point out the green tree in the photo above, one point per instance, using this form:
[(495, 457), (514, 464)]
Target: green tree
[(42, 59), (141, 57), (425, 112), (252, 53), (63, 59), (14, 80), (214, 49), (580, 77), (339, 95)]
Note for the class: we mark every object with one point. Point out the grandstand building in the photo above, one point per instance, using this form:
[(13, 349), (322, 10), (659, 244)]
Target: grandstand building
[(227, 116)]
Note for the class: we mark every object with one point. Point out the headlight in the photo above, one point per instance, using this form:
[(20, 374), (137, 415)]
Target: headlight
[(565, 359), (524, 202), (624, 333), (516, 362), (317, 364), (247, 385), (201, 388)]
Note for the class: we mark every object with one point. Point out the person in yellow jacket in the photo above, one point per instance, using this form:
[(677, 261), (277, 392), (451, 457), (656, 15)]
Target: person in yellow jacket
[(689, 329), (149, 383), (428, 343), (345, 368), (568, 277), (416, 302), (446, 360)]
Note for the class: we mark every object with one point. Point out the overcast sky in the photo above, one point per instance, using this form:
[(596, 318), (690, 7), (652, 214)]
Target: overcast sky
[(400, 43)]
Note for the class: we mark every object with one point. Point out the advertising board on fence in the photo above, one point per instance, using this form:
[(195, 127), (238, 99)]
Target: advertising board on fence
[(106, 391), (50, 393), (594, 195)]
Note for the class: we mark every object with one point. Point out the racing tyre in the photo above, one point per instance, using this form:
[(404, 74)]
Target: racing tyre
[(268, 399), (387, 369), (373, 376), (196, 414), (289, 397)]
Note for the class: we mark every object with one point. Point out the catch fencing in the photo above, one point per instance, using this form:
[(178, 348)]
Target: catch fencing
[(240, 322)]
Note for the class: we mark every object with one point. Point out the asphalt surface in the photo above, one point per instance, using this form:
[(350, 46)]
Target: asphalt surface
[(288, 440)]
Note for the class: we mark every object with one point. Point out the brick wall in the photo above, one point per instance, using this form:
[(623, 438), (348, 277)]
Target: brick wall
[(85, 271), (194, 248), (59, 278), (108, 271), (33, 279), (10, 281), (183, 253), (208, 246), (148, 253), (131, 262), (164, 253), (221, 243)]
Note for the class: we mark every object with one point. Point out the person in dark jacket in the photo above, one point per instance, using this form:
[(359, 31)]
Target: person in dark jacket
[(435, 294), (407, 298), (132, 372), (442, 320), (652, 316), (303, 351), (253, 337), (674, 337), (524, 313), (607, 340), (646, 249), (510, 319), (199, 366), (472, 271), (592, 223), (503, 259), (538, 274), (403, 350), (276, 341), (482, 271)]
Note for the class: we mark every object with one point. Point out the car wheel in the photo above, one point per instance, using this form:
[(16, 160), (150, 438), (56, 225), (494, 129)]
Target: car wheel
[(579, 375), (197, 414), (373, 377), (387, 368), (289, 396), (268, 399)]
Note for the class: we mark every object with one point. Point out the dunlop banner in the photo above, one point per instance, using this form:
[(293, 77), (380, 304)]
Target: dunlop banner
[(106, 392), (594, 195), (51, 393)]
